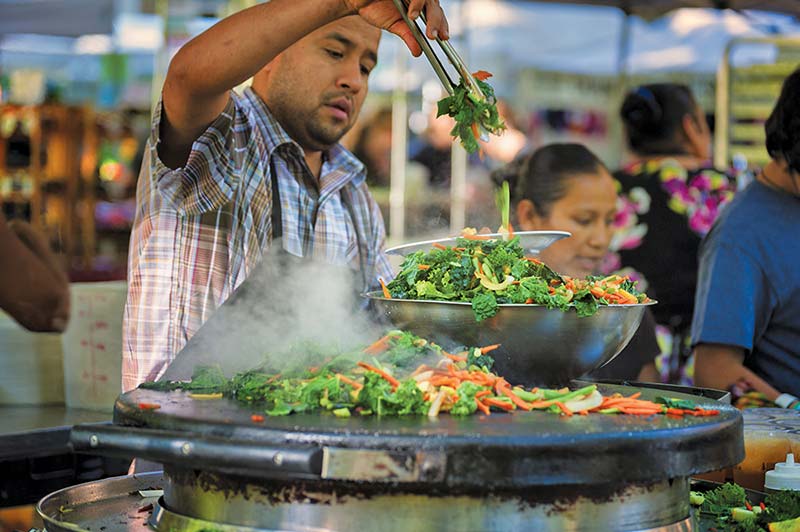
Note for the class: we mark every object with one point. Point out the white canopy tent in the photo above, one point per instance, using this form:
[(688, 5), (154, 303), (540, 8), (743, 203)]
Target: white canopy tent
[(601, 39)]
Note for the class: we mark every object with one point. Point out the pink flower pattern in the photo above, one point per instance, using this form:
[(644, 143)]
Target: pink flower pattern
[(699, 196)]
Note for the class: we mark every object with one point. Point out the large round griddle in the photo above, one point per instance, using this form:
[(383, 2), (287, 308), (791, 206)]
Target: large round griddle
[(501, 451)]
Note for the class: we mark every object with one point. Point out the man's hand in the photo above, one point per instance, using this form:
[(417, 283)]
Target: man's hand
[(384, 15), (33, 288)]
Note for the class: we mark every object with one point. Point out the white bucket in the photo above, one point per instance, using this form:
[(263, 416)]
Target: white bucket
[(31, 365), (93, 345)]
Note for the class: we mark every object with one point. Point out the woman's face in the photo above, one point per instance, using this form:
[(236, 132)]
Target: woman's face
[(587, 211)]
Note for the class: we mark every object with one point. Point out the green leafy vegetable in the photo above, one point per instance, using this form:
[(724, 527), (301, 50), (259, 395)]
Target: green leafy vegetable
[(670, 402), (475, 357), (470, 113), (466, 405), (783, 505), (484, 306), (488, 273)]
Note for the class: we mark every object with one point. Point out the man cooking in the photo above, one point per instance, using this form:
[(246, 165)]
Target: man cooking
[(227, 172)]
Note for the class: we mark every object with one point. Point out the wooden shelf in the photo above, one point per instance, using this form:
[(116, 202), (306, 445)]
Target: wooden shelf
[(59, 138)]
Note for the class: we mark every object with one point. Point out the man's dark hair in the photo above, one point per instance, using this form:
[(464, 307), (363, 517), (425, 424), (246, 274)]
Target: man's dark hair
[(653, 117), (783, 125), (542, 176)]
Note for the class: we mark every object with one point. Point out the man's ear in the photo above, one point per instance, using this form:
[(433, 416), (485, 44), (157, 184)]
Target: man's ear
[(527, 217)]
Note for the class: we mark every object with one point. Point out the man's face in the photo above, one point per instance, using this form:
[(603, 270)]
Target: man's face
[(316, 87)]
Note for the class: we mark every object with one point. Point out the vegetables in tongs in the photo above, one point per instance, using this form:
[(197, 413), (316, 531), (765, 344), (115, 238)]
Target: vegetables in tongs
[(471, 112), (471, 101)]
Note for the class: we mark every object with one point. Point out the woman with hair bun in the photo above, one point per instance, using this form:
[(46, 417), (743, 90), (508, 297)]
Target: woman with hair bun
[(746, 327), (669, 199)]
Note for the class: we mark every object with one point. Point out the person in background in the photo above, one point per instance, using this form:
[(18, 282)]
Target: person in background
[(565, 187), (33, 289), (746, 328), (226, 173), (669, 198), (373, 147), (434, 152), (504, 148)]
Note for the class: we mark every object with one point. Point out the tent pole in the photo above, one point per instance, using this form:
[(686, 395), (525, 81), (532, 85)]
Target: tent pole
[(399, 152), (722, 109), (458, 158), (616, 130)]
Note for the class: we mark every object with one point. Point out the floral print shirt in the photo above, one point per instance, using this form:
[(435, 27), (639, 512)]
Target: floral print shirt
[(664, 210)]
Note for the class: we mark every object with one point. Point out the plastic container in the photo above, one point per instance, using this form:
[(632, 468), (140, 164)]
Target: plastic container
[(31, 365), (93, 346), (785, 476), (769, 435)]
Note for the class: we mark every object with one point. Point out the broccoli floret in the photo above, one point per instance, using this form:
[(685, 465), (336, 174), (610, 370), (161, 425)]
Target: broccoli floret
[(377, 396), (408, 399), (484, 306), (465, 405)]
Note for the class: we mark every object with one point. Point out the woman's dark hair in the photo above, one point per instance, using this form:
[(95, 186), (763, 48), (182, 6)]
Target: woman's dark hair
[(542, 176), (653, 117), (783, 125)]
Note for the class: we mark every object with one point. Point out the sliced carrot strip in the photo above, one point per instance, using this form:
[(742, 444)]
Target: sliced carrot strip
[(476, 237), (455, 358), (489, 348), (437, 245), (564, 408), (423, 267), (514, 399), (483, 393), (481, 75), (482, 407), (394, 382), (347, 380), (491, 401), (378, 347), (386, 293)]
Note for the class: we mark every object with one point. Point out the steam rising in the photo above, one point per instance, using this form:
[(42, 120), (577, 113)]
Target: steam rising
[(285, 302)]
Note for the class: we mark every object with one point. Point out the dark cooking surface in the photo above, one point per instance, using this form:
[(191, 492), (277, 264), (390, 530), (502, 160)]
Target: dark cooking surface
[(229, 418), (523, 448)]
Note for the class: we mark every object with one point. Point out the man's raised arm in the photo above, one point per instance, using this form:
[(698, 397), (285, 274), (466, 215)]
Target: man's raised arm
[(204, 70)]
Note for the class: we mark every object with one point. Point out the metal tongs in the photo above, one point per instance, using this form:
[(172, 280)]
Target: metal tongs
[(448, 50)]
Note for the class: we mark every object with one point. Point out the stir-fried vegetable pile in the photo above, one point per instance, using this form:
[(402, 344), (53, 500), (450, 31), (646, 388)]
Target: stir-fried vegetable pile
[(488, 272), (471, 112), (728, 509), (407, 375)]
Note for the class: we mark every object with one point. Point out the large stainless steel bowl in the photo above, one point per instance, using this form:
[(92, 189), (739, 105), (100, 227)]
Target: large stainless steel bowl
[(539, 346)]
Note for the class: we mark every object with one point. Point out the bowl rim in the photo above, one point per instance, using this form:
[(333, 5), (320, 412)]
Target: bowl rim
[(374, 295)]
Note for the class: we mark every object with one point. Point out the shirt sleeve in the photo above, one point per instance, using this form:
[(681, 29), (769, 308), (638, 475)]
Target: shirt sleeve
[(210, 176), (734, 299)]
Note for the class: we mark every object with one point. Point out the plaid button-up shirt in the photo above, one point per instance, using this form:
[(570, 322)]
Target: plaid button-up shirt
[(200, 230)]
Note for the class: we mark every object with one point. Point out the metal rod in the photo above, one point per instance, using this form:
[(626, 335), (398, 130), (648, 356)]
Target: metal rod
[(461, 67), (437, 66), (399, 154), (458, 63)]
